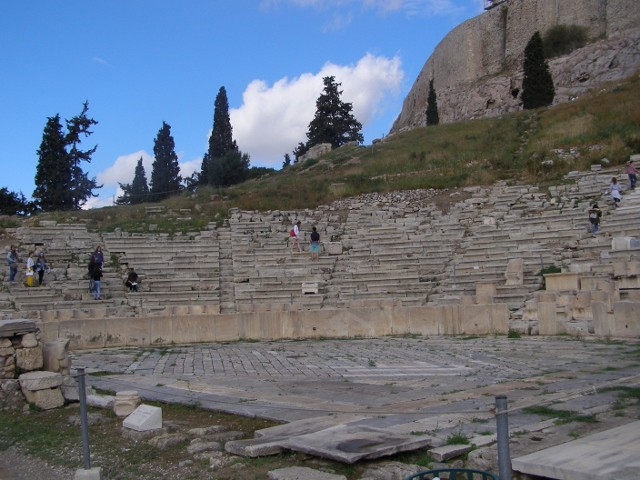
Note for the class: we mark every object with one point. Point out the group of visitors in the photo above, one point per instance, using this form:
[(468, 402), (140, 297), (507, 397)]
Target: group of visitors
[(615, 190), (96, 263), (314, 240), (34, 264)]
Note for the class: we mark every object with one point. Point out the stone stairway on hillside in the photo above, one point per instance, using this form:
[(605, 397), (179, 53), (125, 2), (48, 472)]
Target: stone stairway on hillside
[(227, 292)]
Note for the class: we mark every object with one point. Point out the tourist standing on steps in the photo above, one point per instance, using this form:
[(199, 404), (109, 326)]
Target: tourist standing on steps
[(295, 236), (95, 274), (12, 262), (632, 173), (41, 267), (314, 247), (615, 188), (30, 266), (98, 256), (594, 217)]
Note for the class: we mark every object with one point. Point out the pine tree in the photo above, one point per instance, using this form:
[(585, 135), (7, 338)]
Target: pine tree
[(432, 106), (333, 121), (138, 190), (13, 203), (165, 176), (537, 85), (61, 184), (221, 140), (81, 185), (287, 160)]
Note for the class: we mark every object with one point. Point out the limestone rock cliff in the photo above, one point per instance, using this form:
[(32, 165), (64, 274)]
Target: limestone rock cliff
[(477, 67)]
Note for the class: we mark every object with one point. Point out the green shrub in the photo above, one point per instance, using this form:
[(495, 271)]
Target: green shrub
[(563, 39), (513, 334)]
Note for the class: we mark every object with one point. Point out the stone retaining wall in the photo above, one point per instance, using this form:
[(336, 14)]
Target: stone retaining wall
[(339, 323)]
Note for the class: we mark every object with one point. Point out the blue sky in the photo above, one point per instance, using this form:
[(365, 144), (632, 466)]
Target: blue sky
[(141, 62)]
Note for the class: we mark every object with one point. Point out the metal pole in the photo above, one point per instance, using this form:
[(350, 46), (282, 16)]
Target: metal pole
[(502, 425), (84, 426)]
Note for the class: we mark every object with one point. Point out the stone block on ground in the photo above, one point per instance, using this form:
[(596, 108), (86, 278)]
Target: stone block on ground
[(254, 447), (302, 473), (45, 399), (90, 474), (446, 452), (144, 418), (40, 380), (126, 402)]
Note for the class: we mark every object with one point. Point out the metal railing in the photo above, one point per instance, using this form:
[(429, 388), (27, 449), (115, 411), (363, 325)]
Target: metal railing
[(453, 474)]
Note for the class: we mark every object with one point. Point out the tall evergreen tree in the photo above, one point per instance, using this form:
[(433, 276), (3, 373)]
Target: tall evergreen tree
[(537, 85), (221, 140), (138, 190), (333, 122), (13, 203), (432, 106), (165, 176), (53, 172), (223, 164), (61, 184), (82, 186)]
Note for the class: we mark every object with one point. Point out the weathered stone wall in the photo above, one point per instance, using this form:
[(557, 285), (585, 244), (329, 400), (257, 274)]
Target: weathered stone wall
[(477, 67)]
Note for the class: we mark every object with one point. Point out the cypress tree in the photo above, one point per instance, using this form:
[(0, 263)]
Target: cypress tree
[(537, 85), (165, 176), (432, 106), (138, 190), (223, 164), (221, 140)]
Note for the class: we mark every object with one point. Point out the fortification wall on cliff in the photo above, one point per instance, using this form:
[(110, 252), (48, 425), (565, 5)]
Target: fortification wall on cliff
[(481, 59)]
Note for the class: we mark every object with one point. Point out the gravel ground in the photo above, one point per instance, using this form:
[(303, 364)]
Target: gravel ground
[(15, 465)]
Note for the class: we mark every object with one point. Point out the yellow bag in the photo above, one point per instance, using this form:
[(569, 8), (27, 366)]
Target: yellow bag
[(29, 280)]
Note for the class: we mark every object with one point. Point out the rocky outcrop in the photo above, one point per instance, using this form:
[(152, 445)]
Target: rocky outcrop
[(477, 67)]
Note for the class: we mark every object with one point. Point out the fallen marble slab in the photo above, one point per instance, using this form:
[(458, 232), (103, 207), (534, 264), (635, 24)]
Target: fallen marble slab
[(350, 443)]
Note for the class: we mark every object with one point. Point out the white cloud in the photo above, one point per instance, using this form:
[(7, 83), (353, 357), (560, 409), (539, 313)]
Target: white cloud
[(123, 169), (101, 61), (272, 120), (190, 167)]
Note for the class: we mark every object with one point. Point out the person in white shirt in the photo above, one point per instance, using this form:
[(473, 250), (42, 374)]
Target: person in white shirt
[(295, 236)]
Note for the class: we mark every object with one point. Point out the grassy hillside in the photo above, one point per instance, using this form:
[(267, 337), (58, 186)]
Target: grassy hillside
[(536, 147)]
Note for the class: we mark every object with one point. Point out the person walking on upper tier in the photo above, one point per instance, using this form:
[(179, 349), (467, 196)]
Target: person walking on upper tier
[(615, 188), (98, 256), (594, 217), (314, 247), (632, 173), (95, 274), (12, 262), (295, 236)]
